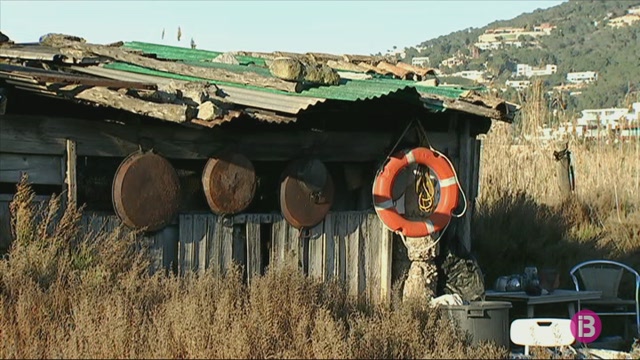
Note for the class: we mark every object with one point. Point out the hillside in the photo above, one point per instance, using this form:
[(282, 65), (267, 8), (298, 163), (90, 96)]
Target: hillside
[(582, 40)]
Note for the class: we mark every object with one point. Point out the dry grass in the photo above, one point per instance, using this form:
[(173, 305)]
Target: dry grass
[(522, 217), (63, 294)]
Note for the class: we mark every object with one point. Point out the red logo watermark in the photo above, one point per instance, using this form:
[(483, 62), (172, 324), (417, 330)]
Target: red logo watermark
[(586, 326)]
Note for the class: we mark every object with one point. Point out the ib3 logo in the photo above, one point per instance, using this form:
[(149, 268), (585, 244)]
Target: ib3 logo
[(586, 326)]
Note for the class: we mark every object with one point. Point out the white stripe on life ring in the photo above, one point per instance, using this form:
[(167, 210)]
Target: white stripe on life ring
[(448, 182), (387, 204), (411, 159), (430, 228)]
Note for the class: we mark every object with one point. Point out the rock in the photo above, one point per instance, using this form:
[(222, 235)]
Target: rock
[(208, 111), (226, 58), (421, 281), (193, 96), (321, 74), (59, 40), (287, 69)]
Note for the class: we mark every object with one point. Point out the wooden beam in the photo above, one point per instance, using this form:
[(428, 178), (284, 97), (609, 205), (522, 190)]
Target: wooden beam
[(72, 187), (41, 169), (215, 74), (114, 99), (48, 135), (474, 109), (41, 53)]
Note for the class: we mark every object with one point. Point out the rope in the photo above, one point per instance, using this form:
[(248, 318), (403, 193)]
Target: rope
[(426, 190), (422, 133), (425, 187), (399, 139), (455, 174)]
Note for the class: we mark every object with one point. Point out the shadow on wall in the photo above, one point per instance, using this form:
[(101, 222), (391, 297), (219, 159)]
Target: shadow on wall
[(515, 231)]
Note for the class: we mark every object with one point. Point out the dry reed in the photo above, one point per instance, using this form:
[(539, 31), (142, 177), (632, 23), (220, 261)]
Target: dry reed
[(67, 295), (521, 215)]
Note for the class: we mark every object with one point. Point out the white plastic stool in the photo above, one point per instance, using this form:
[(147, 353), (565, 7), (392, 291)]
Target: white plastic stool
[(541, 332)]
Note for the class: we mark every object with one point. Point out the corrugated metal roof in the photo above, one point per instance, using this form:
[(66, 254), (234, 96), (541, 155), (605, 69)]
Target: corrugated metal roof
[(236, 93), (434, 98), (348, 90), (186, 54)]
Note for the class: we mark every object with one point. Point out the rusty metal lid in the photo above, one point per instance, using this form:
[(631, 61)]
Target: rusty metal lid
[(301, 206), (229, 182), (313, 174), (146, 191)]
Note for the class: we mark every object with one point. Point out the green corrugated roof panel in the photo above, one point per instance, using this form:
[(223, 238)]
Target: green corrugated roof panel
[(185, 54), (349, 91), (234, 68)]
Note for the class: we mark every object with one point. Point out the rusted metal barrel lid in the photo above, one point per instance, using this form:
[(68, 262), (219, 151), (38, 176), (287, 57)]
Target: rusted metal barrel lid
[(301, 206), (229, 182), (313, 174), (146, 191)]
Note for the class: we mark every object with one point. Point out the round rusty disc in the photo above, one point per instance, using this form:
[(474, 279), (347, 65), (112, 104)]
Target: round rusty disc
[(229, 183), (301, 206), (146, 191)]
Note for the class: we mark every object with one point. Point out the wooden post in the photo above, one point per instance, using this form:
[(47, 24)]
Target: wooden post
[(386, 259), (564, 169), (465, 157), (72, 189), (254, 255)]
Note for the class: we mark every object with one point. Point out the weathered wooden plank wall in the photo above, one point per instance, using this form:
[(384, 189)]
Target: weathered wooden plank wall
[(163, 245), (353, 247), (42, 169), (349, 246)]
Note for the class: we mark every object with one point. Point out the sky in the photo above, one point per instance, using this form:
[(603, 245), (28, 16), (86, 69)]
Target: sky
[(342, 27)]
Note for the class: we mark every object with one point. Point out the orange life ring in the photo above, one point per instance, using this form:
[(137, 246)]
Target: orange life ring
[(383, 198)]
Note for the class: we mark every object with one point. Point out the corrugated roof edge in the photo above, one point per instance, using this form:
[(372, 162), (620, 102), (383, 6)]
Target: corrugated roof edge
[(282, 96), (285, 102), (236, 95), (185, 54)]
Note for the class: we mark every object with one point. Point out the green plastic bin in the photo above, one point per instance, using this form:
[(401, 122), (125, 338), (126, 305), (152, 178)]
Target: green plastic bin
[(484, 320)]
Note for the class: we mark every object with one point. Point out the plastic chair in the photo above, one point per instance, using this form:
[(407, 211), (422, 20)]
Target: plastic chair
[(541, 332), (605, 276)]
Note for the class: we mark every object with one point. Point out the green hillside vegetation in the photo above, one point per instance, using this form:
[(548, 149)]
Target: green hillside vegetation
[(582, 41)]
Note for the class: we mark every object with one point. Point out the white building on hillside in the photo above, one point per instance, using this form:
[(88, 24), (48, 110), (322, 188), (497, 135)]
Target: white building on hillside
[(529, 71), (623, 123), (582, 77), (456, 60), (422, 61), (494, 45), (518, 84), (474, 75), (611, 117)]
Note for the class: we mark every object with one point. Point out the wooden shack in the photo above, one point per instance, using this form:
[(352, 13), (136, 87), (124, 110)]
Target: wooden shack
[(72, 112)]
